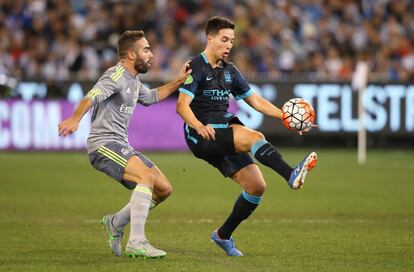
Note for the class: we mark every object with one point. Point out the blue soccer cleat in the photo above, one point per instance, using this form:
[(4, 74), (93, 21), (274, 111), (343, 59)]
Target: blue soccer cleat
[(297, 177), (227, 245)]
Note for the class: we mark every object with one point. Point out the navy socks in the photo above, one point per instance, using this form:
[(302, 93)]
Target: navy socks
[(267, 154), (243, 207)]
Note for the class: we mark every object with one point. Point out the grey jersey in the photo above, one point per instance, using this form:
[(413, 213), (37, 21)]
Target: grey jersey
[(114, 98)]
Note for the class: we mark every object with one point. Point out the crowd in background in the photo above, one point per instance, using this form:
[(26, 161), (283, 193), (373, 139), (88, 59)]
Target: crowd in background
[(318, 39)]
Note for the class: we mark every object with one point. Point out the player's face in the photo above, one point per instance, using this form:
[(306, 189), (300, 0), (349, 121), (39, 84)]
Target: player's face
[(222, 42), (143, 56)]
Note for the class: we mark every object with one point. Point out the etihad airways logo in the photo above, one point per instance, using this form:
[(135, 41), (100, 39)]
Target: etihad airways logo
[(217, 94)]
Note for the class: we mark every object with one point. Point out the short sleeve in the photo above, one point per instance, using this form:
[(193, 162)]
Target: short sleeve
[(240, 88), (190, 86), (104, 88), (147, 96)]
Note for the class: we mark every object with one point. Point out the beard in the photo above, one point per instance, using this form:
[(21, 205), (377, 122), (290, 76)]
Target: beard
[(141, 67)]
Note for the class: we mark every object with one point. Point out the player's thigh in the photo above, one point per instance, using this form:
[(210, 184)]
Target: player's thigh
[(137, 171), (245, 137), (112, 158), (250, 178), (201, 148)]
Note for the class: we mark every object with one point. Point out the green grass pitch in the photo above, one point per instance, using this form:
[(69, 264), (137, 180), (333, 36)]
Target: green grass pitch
[(346, 218)]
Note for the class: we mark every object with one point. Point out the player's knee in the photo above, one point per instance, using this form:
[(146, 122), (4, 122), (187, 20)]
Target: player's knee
[(162, 187), (255, 186), (259, 189), (256, 136), (167, 191)]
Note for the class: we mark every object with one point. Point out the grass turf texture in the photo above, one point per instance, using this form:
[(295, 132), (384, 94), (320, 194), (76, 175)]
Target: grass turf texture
[(346, 218)]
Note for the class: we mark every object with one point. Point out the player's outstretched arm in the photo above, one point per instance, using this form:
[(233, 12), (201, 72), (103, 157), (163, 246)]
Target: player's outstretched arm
[(71, 124), (262, 105), (184, 110), (167, 89)]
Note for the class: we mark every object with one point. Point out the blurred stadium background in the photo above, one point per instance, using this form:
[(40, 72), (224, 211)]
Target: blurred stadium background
[(349, 217)]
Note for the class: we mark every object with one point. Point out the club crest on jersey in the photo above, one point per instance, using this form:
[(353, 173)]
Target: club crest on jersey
[(125, 151), (227, 77)]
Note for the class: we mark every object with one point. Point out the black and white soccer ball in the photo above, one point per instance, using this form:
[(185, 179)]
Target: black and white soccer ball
[(297, 114)]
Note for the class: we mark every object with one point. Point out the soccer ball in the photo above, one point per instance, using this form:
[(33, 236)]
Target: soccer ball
[(297, 114)]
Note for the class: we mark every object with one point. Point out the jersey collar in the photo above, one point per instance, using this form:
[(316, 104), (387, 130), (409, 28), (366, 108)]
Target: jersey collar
[(220, 65), (204, 57), (128, 74)]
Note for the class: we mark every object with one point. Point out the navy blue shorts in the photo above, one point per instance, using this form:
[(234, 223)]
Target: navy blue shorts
[(221, 152), (112, 158)]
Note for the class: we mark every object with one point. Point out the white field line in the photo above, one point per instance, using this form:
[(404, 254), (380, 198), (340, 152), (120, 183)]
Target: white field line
[(263, 221)]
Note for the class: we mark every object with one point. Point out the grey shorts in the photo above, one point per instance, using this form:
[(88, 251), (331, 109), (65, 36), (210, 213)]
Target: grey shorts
[(112, 158)]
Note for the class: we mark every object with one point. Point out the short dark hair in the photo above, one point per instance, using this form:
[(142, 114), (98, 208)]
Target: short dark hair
[(216, 23), (127, 40)]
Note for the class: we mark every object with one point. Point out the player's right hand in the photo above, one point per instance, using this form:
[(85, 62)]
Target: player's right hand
[(305, 130), (68, 126), (207, 132)]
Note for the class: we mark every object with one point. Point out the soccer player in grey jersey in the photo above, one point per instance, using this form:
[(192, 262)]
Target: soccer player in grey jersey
[(113, 99)]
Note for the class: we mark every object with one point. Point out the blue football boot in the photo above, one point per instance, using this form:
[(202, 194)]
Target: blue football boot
[(297, 177), (227, 245)]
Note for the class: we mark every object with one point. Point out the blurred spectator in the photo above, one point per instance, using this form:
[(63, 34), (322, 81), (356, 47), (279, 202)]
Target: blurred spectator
[(65, 40)]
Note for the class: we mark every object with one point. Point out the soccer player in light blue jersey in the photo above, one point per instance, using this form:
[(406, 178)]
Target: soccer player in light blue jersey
[(220, 138), (113, 99)]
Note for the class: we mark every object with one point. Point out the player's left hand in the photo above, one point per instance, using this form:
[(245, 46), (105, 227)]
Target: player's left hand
[(207, 132), (185, 71), (68, 126), (306, 130)]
